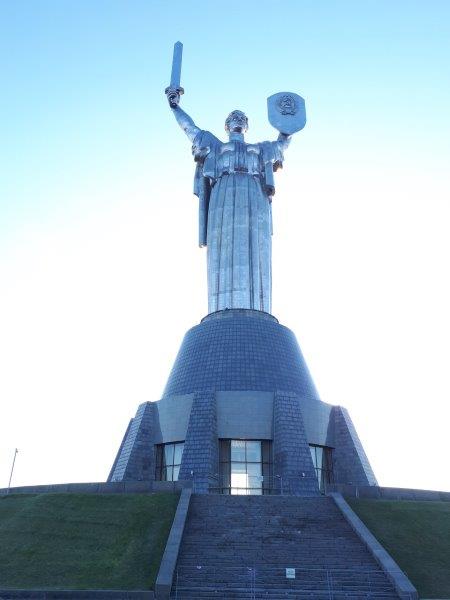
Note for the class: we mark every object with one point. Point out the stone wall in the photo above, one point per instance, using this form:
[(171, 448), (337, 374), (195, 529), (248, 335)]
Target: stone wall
[(100, 487), (292, 457), (136, 456), (200, 460), (350, 463)]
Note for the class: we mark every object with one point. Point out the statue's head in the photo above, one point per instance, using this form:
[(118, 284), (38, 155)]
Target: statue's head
[(236, 121)]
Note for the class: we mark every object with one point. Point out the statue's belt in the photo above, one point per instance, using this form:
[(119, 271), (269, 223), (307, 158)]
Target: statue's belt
[(229, 171)]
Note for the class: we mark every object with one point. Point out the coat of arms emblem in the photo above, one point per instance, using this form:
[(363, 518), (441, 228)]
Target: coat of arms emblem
[(286, 112), (286, 105)]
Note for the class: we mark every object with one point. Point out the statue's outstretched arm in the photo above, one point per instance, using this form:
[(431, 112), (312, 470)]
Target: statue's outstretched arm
[(284, 140), (186, 123), (183, 119)]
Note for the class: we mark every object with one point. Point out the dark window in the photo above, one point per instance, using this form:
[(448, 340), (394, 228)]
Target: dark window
[(322, 460), (168, 461)]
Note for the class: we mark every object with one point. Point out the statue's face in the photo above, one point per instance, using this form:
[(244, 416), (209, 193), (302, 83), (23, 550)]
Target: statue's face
[(236, 122)]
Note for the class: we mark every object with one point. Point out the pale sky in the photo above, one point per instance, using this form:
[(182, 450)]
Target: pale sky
[(100, 273)]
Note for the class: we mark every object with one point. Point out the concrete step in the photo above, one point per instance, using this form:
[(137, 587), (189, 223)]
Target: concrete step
[(259, 594), (230, 541)]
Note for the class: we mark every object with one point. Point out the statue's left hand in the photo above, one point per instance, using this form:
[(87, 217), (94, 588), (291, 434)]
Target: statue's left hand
[(173, 96)]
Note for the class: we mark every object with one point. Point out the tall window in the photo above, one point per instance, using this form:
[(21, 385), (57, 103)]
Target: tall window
[(168, 461), (322, 460), (245, 466)]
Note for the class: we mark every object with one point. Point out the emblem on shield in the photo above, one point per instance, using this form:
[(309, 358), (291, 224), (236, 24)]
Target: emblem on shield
[(286, 112)]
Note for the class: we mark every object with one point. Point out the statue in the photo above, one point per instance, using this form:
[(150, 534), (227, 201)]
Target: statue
[(234, 183)]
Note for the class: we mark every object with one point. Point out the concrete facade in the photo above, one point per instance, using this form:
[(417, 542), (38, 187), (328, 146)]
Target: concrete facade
[(241, 375)]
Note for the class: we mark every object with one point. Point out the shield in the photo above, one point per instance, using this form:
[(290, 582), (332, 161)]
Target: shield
[(286, 112)]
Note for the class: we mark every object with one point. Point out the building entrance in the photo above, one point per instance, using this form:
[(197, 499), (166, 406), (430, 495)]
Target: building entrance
[(245, 466)]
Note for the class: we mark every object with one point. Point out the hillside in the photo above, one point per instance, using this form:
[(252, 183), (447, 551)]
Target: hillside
[(417, 535), (83, 541)]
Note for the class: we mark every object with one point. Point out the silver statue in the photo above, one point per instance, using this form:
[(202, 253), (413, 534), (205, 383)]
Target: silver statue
[(234, 183)]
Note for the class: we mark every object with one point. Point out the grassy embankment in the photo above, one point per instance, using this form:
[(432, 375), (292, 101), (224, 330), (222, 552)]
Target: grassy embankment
[(83, 541), (417, 535)]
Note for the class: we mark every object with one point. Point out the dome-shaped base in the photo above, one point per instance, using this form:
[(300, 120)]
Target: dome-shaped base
[(240, 349)]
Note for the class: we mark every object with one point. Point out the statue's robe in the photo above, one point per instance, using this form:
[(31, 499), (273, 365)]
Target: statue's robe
[(234, 184)]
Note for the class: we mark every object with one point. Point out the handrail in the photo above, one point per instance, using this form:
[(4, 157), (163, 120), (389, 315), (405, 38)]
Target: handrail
[(359, 570), (308, 581)]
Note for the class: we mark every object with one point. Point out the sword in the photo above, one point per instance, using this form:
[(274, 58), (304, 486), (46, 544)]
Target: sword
[(174, 90)]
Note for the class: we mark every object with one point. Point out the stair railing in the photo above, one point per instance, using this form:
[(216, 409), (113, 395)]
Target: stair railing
[(330, 582), (330, 586), (252, 571), (176, 587)]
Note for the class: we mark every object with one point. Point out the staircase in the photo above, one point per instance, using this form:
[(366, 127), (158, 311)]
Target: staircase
[(238, 547)]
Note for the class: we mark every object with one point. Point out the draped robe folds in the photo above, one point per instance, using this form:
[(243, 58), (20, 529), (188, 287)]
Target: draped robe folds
[(234, 183)]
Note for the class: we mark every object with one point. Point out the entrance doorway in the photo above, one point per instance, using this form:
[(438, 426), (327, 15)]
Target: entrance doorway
[(245, 466)]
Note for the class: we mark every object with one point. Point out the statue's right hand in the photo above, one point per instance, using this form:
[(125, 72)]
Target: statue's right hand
[(173, 96)]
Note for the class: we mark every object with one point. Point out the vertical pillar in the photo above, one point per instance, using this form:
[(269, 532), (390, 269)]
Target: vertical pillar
[(200, 460), (350, 463), (135, 459), (292, 456)]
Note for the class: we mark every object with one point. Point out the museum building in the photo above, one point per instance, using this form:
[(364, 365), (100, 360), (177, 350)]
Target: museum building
[(240, 415)]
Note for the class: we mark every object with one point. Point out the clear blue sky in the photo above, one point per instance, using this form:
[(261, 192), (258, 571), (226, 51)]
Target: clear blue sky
[(82, 80), (100, 276)]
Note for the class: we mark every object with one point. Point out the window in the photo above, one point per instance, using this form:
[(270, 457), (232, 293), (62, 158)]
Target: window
[(323, 464), (168, 461), (245, 466)]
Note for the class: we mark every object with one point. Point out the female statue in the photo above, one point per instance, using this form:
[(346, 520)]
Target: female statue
[(234, 183)]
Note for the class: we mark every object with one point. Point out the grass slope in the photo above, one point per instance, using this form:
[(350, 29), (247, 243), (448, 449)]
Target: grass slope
[(417, 535), (83, 541)]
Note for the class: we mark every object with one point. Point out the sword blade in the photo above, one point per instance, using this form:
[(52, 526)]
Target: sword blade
[(175, 76)]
